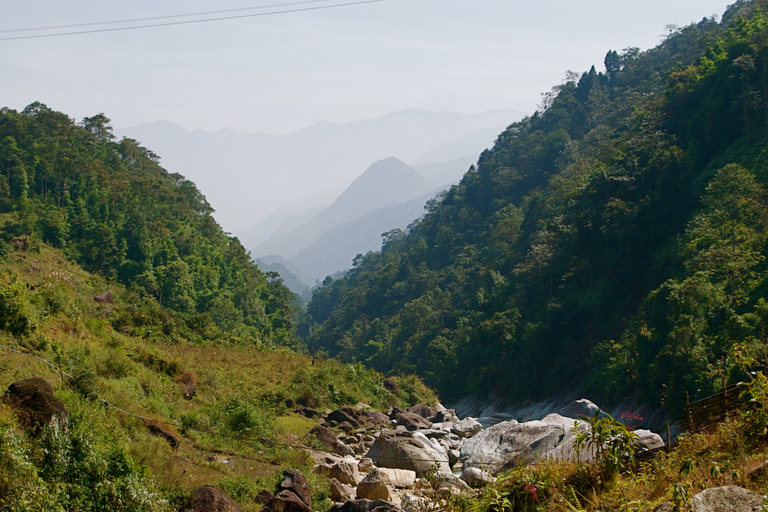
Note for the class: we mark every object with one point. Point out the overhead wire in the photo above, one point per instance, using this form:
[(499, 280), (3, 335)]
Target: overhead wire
[(176, 23), (155, 18)]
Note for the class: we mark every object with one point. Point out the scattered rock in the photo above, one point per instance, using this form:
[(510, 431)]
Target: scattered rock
[(390, 385), (341, 493), (158, 431), (454, 441), (104, 298), (346, 414), (409, 420), (373, 487), (210, 499), (294, 481), (445, 416), (326, 437), (447, 484), (264, 496), (647, 440), (308, 412), (327, 458), (433, 433), (364, 505), (344, 471), (413, 503), (35, 404), (665, 507), (424, 411), (215, 457), (400, 450), (476, 477), (467, 427), (432, 443), (365, 465), (285, 501), (729, 497), (400, 478), (581, 408), (377, 417)]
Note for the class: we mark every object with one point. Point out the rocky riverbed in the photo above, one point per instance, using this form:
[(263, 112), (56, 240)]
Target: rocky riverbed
[(404, 457)]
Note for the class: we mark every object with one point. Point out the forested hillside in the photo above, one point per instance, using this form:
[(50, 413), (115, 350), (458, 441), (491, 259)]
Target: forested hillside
[(176, 378), (615, 239), (113, 209)]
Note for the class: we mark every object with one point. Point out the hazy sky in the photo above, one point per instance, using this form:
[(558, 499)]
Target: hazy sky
[(279, 73)]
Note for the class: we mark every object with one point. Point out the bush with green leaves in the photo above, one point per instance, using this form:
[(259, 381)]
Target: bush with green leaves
[(84, 467), (15, 312), (608, 441)]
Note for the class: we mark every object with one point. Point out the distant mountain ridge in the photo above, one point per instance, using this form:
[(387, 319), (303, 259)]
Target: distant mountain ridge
[(246, 177), (388, 195), (336, 249)]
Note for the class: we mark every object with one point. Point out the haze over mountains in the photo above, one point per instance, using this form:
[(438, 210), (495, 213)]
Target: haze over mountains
[(274, 191), (247, 177), (388, 195)]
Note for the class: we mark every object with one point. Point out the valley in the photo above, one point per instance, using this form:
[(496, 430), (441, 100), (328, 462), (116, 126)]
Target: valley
[(477, 313)]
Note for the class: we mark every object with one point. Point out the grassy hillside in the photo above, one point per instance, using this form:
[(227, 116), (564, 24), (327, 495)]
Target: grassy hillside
[(106, 459)]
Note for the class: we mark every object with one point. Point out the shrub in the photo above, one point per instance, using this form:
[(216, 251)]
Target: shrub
[(15, 312), (609, 441)]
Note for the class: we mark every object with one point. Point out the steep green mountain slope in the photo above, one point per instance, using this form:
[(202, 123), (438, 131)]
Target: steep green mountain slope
[(112, 208), (616, 238)]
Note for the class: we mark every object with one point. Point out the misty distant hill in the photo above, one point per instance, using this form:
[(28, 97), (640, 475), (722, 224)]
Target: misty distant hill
[(278, 223), (247, 177), (384, 183), (335, 250), (470, 144), (447, 173), (293, 278)]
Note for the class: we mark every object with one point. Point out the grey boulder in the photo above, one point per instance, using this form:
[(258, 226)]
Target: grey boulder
[(476, 477), (399, 449), (510, 444), (467, 427), (373, 487), (729, 497)]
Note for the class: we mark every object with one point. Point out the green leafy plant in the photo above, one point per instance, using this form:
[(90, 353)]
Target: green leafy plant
[(609, 441)]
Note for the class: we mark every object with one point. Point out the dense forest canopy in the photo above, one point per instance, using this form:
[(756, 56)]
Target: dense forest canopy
[(615, 239), (113, 209)]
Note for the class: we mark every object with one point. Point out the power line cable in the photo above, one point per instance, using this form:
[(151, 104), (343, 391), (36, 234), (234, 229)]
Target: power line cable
[(155, 18), (187, 22)]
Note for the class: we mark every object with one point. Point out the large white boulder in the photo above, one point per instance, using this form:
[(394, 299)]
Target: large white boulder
[(400, 449), (647, 440), (510, 443), (400, 478), (467, 427)]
